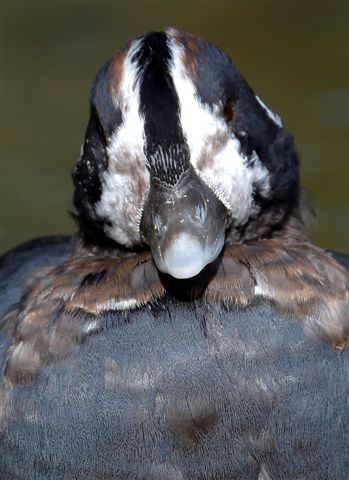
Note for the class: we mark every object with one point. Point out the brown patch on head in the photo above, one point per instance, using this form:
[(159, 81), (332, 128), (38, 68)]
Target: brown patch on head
[(132, 165), (191, 48), (213, 146), (117, 67), (228, 111)]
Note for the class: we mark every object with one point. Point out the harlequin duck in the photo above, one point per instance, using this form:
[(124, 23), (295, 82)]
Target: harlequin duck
[(190, 330)]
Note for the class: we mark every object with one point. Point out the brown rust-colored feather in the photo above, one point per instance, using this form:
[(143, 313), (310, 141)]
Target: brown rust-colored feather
[(117, 68), (300, 278), (66, 305), (191, 47)]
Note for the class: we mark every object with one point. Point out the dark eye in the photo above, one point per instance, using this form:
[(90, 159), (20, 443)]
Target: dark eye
[(228, 111)]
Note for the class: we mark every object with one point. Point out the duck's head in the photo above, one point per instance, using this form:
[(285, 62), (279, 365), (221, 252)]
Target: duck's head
[(181, 155)]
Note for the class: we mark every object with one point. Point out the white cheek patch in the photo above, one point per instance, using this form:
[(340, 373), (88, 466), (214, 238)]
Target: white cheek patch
[(215, 152), (125, 183), (227, 172), (276, 118)]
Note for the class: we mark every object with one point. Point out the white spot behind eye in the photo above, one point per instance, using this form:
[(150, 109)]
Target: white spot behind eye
[(276, 118), (215, 152)]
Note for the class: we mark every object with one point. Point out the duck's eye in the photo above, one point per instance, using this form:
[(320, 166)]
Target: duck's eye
[(228, 111)]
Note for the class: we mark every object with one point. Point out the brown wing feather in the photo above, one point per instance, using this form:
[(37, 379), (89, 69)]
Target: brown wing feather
[(67, 304)]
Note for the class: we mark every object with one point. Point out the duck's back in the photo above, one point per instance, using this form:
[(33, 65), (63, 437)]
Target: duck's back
[(179, 390), (22, 265)]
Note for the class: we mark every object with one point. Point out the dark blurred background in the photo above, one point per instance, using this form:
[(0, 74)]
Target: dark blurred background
[(294, 54)]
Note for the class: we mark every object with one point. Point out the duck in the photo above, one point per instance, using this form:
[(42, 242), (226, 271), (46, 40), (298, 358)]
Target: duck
[(190, 330)]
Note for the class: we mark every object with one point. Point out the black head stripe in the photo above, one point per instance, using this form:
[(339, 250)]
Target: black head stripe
[(165, 146)]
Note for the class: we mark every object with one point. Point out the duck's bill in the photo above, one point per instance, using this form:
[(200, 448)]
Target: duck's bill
[(184, 226)]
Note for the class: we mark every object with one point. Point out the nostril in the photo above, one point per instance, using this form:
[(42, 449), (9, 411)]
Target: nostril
[(200, 212), (158, 226)]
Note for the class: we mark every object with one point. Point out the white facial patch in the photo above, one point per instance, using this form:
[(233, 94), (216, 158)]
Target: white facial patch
[(215, 152), (125, 183), (276, 118)]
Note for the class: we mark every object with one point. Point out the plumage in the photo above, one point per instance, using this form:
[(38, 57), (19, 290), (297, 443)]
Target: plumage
[(190, 330)]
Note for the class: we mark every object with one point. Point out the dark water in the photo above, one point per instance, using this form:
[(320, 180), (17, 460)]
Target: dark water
[(294, 54)]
